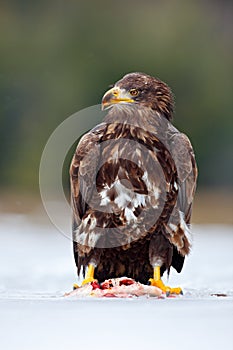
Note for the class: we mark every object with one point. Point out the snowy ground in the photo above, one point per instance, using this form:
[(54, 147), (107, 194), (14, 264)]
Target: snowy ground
[(36, 268)]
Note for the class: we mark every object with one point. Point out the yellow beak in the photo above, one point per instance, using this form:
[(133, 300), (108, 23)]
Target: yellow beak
[(116, 95)]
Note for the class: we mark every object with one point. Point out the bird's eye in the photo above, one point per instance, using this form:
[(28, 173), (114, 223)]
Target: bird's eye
[(133, 92)]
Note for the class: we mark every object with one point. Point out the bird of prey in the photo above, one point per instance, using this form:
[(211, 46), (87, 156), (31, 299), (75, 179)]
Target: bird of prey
[(133, 179)]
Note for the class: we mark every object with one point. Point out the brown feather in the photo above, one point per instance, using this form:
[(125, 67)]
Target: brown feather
[(133, 180)]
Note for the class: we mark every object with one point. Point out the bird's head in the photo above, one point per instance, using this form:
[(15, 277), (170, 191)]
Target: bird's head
[(142, 89)]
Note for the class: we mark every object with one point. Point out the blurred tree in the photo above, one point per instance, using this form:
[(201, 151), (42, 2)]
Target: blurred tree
[(58, 57)]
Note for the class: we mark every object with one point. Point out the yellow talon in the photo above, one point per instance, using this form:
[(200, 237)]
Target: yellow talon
[(157, 282), (89, 275), (75, 286), (88, 280)]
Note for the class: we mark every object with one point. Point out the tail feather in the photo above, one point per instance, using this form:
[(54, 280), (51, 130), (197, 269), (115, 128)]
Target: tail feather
[(177, 260)]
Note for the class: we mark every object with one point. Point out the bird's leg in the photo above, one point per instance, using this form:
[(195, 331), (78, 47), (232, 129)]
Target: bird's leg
[(89, 277), (157, 282)]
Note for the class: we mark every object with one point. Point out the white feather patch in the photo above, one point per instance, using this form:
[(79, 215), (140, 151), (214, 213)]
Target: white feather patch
[(129, 215), (139, 200), (104, 197), (145, 179), (93, 238), (153, 191), (185, 228), (81, 238), (124, 195), (105, 201), (156, 192), (173, 227), (88, 225)]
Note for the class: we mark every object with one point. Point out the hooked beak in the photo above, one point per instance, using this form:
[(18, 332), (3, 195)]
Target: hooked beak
[(114, 96)]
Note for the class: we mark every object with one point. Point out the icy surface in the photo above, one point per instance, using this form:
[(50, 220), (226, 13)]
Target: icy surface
[(37, 268)]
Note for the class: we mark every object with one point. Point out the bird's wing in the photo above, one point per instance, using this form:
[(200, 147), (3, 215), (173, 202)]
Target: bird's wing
[(83, 172), (183, 156)]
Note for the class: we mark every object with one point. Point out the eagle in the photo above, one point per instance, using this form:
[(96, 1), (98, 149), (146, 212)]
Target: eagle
[(133, 179)]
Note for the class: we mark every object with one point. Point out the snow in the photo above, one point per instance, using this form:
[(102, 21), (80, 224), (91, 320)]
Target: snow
[(37, 268)]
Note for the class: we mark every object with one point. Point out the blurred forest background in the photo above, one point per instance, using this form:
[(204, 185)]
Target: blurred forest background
[(58, 57)]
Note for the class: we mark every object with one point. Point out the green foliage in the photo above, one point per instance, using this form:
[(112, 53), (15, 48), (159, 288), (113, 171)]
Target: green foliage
[(59, 57)]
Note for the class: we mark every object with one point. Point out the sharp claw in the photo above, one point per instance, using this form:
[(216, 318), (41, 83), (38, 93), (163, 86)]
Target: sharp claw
[(166, 289), (88, 280), (75, 286), (181, 292)]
